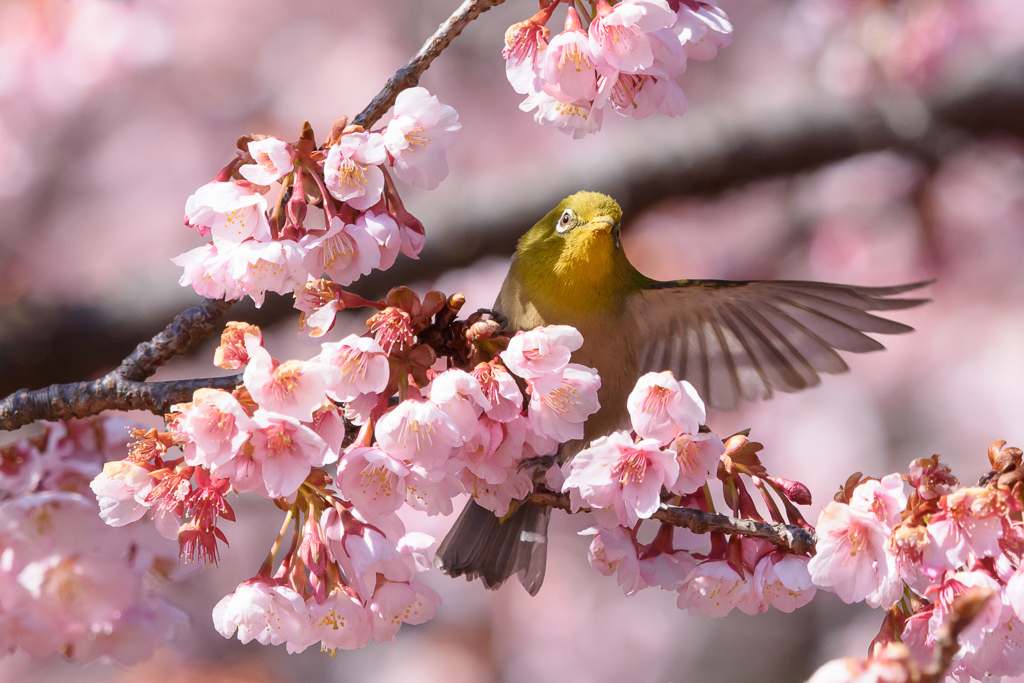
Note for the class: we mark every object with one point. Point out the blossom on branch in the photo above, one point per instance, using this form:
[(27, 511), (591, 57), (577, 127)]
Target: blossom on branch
[(418, 135), (351, 169)]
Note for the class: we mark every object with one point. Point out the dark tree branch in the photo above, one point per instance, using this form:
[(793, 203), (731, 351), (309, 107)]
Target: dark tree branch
[(124, 388), (794, 538), (409, 75), (110, 392), (181, 336)]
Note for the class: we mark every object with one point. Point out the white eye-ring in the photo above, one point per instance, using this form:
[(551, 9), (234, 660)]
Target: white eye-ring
[(566, 221)]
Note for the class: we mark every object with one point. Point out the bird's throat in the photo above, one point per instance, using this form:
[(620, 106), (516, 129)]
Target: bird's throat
[(588, 277)]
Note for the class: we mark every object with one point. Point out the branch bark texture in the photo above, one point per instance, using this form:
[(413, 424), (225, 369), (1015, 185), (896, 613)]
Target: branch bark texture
[(794, 538)]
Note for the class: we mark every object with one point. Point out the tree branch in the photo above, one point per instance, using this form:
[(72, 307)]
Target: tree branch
[(181, 336), (110, 392), (409, 75), (793, 538), (124, 388)]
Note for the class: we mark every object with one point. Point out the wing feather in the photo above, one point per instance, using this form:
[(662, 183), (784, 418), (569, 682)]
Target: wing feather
[(743, 340)]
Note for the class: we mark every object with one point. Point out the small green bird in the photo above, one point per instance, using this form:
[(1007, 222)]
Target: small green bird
[(731, 340)]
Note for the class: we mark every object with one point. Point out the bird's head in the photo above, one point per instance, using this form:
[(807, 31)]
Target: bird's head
[(576, 248)]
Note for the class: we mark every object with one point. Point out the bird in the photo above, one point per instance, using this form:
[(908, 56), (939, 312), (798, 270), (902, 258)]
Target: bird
[(732, 340)]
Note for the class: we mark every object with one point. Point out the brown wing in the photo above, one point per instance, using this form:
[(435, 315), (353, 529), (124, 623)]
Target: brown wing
[(743, 340)]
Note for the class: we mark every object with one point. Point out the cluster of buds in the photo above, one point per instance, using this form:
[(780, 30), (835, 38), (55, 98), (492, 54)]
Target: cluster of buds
[(915, 554), (255, 249), (421, 409), (668, 458), (69, 584), (624, 56)]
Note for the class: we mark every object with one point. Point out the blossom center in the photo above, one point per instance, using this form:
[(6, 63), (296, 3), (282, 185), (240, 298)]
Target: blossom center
[(631, 467), (285, 378)]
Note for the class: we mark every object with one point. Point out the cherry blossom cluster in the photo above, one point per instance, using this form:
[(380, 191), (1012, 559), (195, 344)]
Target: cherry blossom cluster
[(421, 409), (255, 249), (669, 457), (914, 543), (623, 56), (69, 584)]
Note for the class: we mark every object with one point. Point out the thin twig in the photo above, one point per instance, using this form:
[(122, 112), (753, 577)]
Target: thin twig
[(946, 641), (794, 538), (409, 75)]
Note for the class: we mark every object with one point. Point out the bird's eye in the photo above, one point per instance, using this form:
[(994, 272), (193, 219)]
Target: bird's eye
[(565, 221)]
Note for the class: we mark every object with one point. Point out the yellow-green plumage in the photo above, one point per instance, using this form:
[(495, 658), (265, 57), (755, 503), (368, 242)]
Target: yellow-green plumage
[(732, 340)]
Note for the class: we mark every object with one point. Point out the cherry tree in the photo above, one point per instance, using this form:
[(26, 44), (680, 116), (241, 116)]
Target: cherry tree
[(380, 428)]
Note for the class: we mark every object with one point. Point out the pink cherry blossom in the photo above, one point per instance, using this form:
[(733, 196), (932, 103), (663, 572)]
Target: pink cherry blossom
[(357, 365), (525, 44), (21, 468), (968, 523), (430, 491), (421, 130), (497, 498), (460, 396), (618, 34), (267, 612), (660, 407), (419, 432), (542, 352), (698, 456), (372, 557), (68, 593), (669, 570), (386, 233), (495, 449), (395, 603), (275, 266), (559, 413), (340, 622), (702, 30), (485, 437), (885, 499), (121, 491), (232, 212), (501, 391), (208, 272), (613, 551), (351, 169), (244, 470), (344, 252), (851, 558), (286, 451), (578, 119), (974, 639), (216, 426), (373, 481), (889, 663), (641, 95), (613, 472), (293, 388), (569, 65), (783, 581), (273, 159), (714, 588)]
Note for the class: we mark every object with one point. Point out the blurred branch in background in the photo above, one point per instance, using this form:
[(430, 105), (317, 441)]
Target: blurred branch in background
[(708, 157)]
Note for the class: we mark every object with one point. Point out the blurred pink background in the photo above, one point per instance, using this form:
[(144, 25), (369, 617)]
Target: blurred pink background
[(112, 113)]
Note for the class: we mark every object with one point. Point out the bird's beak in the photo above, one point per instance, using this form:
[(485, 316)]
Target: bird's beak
[(602, 223)]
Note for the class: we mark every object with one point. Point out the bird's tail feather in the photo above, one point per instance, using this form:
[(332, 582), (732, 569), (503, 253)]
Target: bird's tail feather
[(481, 546)]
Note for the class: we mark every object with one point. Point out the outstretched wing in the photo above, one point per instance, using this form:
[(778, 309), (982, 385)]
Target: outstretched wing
[(744, 340)]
